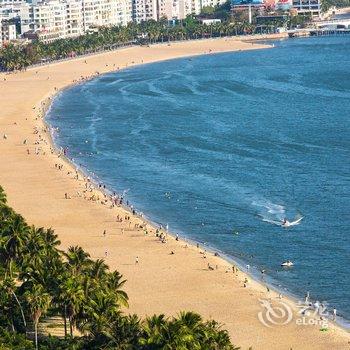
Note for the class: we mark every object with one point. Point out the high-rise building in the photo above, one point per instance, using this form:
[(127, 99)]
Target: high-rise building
[(144, 10), (308, 7), (74, 18), (53, 19), (7, 32)]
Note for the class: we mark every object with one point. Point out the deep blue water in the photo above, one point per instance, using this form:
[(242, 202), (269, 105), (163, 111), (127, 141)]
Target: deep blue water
[(237, 141)]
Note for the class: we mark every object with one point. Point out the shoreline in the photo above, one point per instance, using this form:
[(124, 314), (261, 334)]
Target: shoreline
[(253, 272), (232, 260), (255, 286)]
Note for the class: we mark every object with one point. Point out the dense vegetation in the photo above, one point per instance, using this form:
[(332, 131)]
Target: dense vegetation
[(18, 57), (222, 12), (37, 281), (326, 4)]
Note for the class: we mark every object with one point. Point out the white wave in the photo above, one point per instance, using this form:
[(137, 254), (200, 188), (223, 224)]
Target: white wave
[(270, 207)]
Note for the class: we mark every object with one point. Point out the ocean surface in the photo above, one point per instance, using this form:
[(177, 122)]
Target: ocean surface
[(223, 147)]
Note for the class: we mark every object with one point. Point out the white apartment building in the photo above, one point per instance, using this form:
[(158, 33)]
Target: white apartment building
[(188, 7), (54, 19), (74, 18), (167, 8), (98, 13), (7, 32), (9, 15), (48, 18), (123, 12), (308, 7), (144, 10), (6, 3)]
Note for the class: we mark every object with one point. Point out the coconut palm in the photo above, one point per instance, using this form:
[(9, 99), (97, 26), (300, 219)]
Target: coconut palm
[(3, 198), (38, 302), (71, 298), (9, 301), (98, 269), (114, 283), (154, 329), (36, 274), (77, 258), (13, 240), (100, 310)]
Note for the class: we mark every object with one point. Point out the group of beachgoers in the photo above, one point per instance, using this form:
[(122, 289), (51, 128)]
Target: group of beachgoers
[(97, 193)]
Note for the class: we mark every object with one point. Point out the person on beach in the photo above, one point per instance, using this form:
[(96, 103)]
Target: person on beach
[(334, 314), (307, 297), (104, 233), (137, 260)]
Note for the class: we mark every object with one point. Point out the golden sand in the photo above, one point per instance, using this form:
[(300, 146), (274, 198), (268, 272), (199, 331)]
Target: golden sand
[(161, 282)]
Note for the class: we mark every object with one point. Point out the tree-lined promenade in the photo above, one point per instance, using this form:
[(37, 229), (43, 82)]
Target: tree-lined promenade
[(14, 57), (37, 279)]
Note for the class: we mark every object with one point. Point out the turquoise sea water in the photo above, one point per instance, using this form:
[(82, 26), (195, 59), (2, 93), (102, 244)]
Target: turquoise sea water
[(227, 143)]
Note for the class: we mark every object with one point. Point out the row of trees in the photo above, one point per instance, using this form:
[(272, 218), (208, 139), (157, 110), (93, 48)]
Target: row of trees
[(14, 57), (327, 4), (39, 280)]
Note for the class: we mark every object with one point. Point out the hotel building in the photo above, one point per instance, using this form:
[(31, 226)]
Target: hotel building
[(308, 7)]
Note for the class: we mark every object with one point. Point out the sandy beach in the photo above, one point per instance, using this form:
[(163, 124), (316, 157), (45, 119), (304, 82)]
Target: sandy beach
[(160, 282)]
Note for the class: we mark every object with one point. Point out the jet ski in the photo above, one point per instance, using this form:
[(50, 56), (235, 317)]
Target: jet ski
[(286, 223)]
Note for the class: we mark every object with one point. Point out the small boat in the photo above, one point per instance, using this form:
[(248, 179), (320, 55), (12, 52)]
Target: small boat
[(287, 263)]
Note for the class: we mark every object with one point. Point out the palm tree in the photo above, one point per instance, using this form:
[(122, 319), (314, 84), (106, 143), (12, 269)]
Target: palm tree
[(3, 199), (99, 312), (38, 303), (78, 259), (98, 269), (71, 297), (153, 332), (8, 290), (186, 330), (123, 333), (50, 238), (114, 283), (216, 338), (13, 240)]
